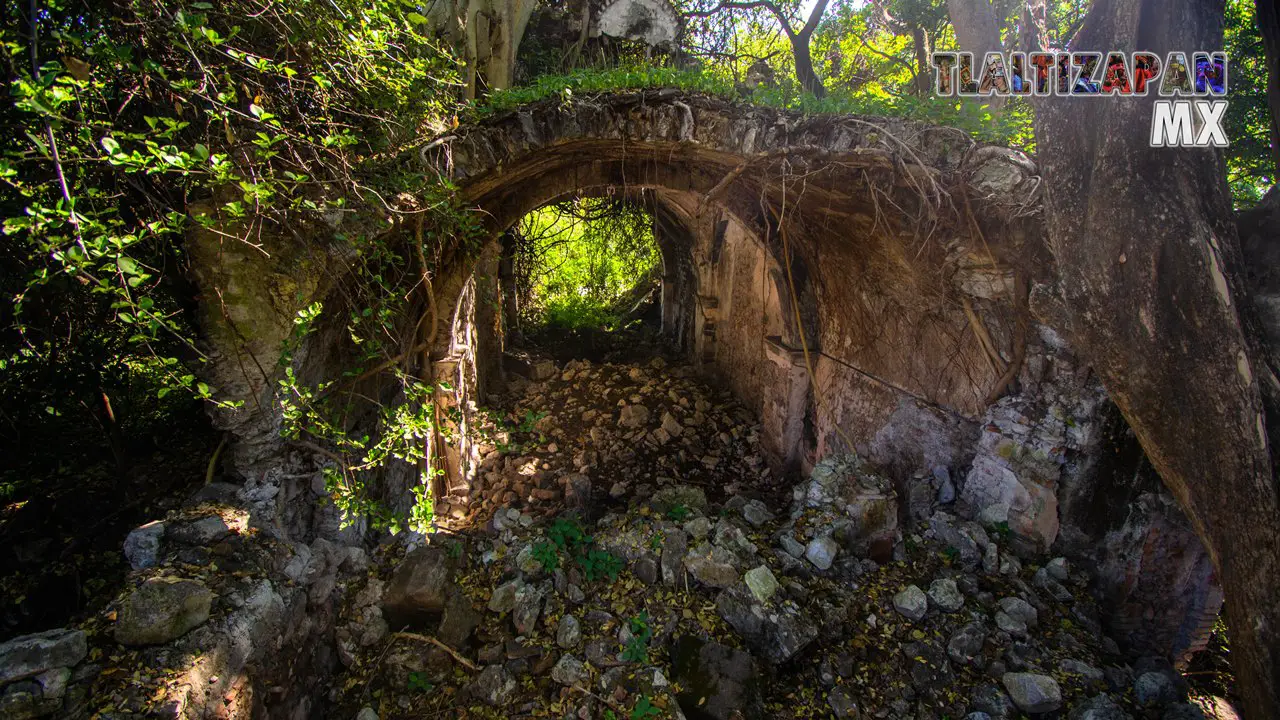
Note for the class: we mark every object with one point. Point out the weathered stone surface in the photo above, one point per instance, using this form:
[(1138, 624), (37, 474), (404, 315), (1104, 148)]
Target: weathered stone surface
[(1019, 463), (858, 503), (911, 603), (775, 631), (1021, 610), (633, 416), (993, 701), (568, 632), (712, 565), (821, 551), (204, 531), (30, 655), (716, 680), (1098, 707), (142, 545), (459, 620), (1155, 689), (419, 588), (842, 703), (1033, 693), (944, 594), (503, 597), (493, 686), (761, 582), (965, 644), (162, 609), (570, 671)]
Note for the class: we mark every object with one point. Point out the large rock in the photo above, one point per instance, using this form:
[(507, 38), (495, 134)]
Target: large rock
[(856, 502), (911, 603), (965, 645), (419, 589), (142, 545), (776, 630), (493, 686), (944, 594), (570, 671), (1032, 693), (162, 609), (30, 655), (1019, 462), (715, 681), (712, 565), (204, 531), (633, 416)]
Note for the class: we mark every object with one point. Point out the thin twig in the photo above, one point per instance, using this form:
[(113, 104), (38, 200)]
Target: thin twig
[(428, 639)]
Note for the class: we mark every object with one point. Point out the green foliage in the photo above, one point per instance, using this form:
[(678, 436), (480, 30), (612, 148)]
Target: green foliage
[(1250, 170), (1002, 530), (637, 648), (135, 123), (645, 709), (546, 555), (678, 513), (577, 260), (599, 564), (1011, 127), (418, 683), (567, 538)]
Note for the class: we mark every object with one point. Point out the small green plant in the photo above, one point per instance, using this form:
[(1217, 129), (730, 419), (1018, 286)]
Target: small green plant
[(1002, 530), (637, 648), (530, 420), (597, 564), (546, 555), (678, 513), (610, 715), (645, 709), (568, 535), (950, 553), (655, 542), (418, 683), (455, 549)]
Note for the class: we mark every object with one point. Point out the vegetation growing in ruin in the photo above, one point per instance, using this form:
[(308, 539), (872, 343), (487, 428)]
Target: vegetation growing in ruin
[(578, 261)]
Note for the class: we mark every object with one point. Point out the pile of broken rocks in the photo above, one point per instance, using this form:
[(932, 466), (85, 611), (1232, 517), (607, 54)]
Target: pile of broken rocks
[(639, 426), (741, 609)]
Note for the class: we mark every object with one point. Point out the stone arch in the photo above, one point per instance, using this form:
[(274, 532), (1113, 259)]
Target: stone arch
[(864, 212)]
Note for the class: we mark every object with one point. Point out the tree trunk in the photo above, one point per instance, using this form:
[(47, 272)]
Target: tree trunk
[(805, 73), (1157, 315), (924, 79), (1269, 24), (800, 47), (978, 32)]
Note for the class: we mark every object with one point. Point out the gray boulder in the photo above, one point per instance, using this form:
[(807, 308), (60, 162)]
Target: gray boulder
[(570, 671), (1099, 707), (944, 594), (569, 632), (966, 644), (30, 655), (1032, 693), (493, 686), (142, 545), (161, 610), (911, 603), (205, 531), (1155, 689)]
